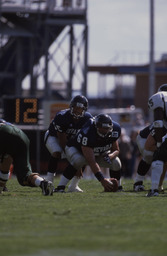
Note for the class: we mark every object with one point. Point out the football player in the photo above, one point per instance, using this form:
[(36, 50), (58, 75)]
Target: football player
[(64, 126), (145, 163), (147, 157), (96, 145), (14, 149), (158, 104)]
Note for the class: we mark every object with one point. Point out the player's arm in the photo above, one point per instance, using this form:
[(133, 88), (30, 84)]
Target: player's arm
[(158, 125), (115, 150), (90, 157), (150, 144)]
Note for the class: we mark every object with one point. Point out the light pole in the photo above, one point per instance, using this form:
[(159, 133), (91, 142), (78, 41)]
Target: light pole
[(152, 66)]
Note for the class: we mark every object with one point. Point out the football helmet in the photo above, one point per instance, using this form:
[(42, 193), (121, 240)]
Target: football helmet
[(78, 106), (163, 88), (104, 125)]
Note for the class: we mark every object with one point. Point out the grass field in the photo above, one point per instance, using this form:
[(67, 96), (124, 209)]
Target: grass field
[(92, 223)]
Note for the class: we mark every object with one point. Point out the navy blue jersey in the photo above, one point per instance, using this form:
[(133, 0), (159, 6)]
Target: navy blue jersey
[(89, 137), (65, 123)]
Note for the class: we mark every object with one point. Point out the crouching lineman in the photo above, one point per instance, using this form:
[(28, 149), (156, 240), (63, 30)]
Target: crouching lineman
[(146, 151), (14, 149), (145, 163), (96, 145), (65, 124), (159, 164), (158, 105)]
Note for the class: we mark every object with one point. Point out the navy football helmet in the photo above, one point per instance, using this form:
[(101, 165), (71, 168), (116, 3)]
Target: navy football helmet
[(78, 106), (163, 88), (104, 125)]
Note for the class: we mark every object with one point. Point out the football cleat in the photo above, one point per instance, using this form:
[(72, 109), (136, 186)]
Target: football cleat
[(47, 188), (120, 189), (59, 189), (153, 192), (5, 189), (138, 186), (74, 189)]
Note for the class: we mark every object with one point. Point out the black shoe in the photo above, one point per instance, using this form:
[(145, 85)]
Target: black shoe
[(120, 188), (138, 186), (5, 189), (47, 188), (60, 189), (152, 193)]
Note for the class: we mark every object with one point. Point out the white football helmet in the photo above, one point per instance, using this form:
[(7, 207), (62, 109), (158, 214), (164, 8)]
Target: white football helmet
[(163, 88)]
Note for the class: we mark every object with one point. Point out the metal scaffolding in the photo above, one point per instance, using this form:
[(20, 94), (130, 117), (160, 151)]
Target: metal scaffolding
[(43, 48)]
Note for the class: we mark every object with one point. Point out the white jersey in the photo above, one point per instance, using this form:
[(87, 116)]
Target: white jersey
[(159, 100)]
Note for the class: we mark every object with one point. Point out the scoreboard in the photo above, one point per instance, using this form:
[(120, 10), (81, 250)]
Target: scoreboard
[(20, 110)]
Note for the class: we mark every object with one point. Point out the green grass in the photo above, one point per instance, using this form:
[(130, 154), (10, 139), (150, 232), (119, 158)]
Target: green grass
[(92, 223)]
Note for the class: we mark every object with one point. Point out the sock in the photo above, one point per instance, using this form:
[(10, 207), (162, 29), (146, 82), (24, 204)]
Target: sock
[(74, 182), (52, 168), (50, 176), (156, 171), (119, 182), (139, 178), (38, 181), (63, 181), (3, 179), (68, 174)]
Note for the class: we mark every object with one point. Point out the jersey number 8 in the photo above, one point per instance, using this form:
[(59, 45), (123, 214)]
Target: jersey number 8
[(82, 140)]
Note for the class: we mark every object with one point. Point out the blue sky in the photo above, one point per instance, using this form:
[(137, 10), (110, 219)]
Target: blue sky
[(123, 26), (119, 32)]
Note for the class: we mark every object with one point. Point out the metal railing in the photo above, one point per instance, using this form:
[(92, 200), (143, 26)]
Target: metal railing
[(43, 5)]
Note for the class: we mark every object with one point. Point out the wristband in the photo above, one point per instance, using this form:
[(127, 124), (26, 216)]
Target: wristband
[(99, 176)]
